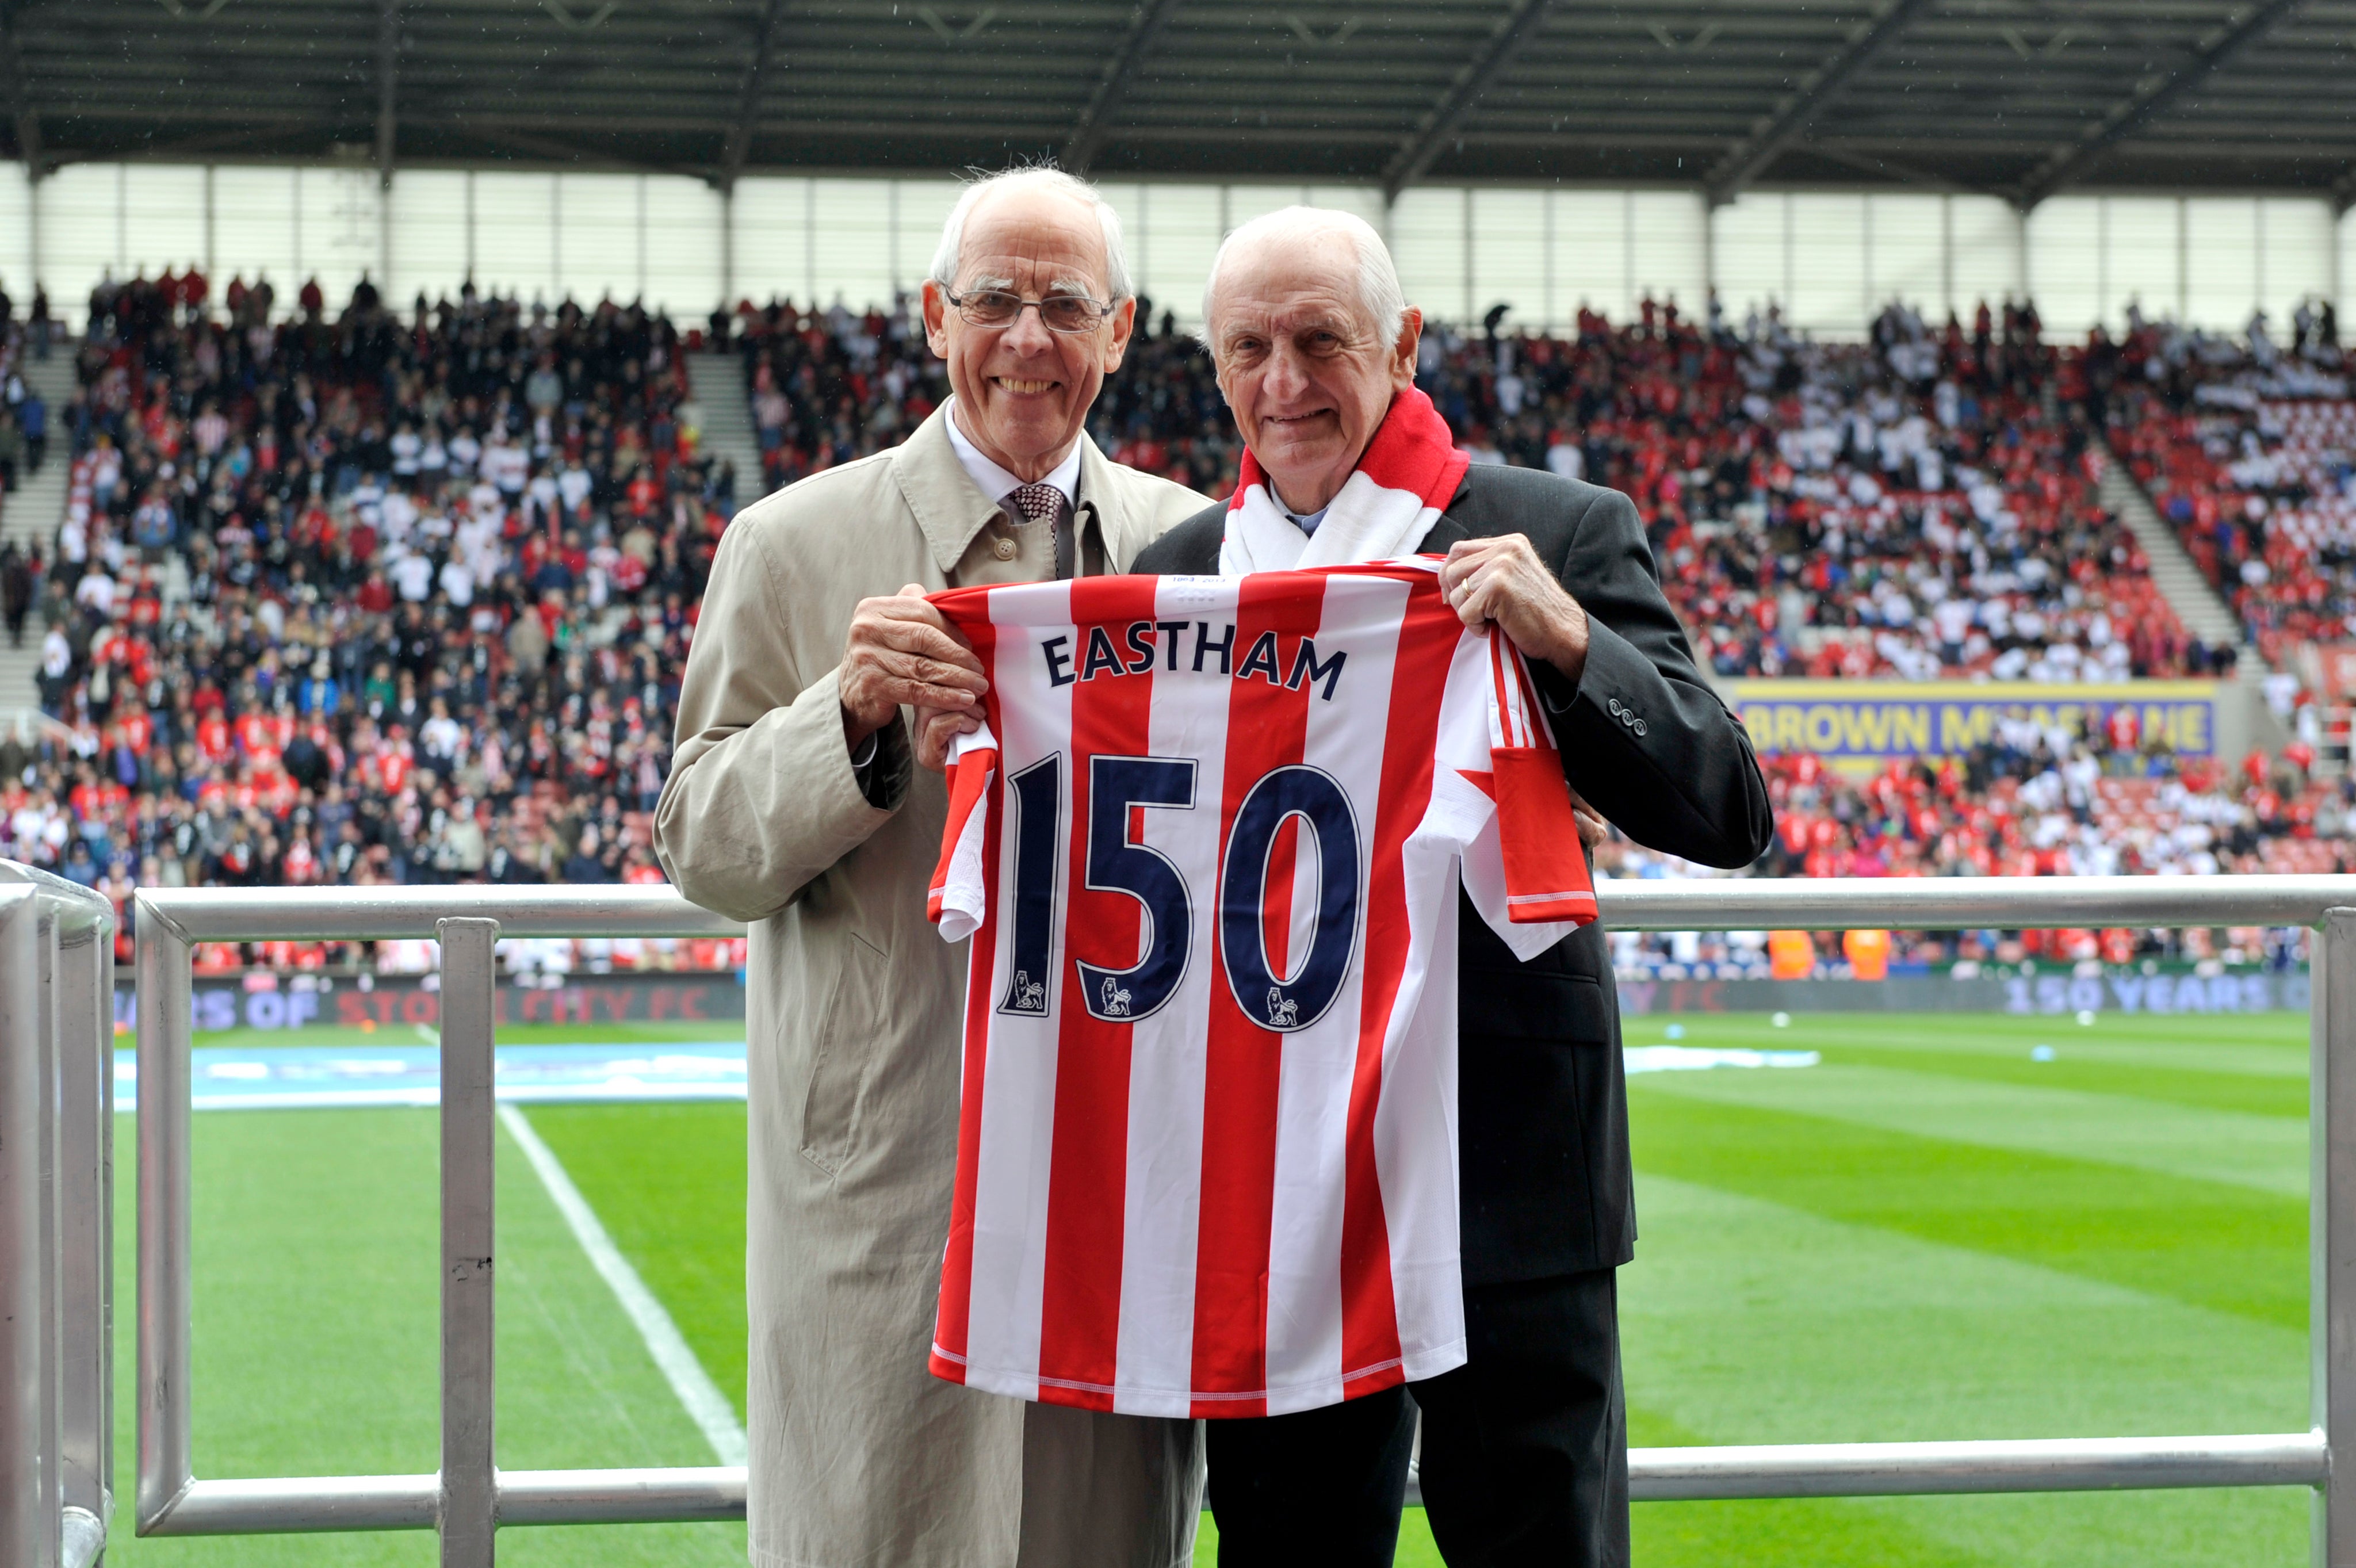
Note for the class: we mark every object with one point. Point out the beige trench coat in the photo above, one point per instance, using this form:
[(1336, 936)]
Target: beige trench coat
[(859, 1456)]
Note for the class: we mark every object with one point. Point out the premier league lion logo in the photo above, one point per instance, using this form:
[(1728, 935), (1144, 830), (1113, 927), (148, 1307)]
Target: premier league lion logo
[(1282, 1012), (1116, 1000)]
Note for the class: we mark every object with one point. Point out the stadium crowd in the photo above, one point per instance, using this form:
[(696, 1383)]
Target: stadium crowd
[(2249, 449), (2102, 800), (401, 595), (1910, 506), (363, 597)]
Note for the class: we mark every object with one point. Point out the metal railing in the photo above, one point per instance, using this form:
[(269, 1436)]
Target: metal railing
[(469, 1498), (57, 1219)]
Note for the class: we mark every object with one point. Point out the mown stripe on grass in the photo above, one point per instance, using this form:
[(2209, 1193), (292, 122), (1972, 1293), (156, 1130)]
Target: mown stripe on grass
[(2204, 1243), (2251, 1093), (315, 1235), (314, 1282), (2262, 1045), (667, 1179), (2267, 1153), (711, 1410), (1756, 1322), (1751, 1322)]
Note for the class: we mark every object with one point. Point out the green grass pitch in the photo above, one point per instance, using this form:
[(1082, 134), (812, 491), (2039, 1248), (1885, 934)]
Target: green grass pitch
[(1930, 1235)]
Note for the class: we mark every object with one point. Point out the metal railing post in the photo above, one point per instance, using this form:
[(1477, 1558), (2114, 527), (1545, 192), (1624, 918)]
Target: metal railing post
[(53, 1305), (84, 1000), (469, 1513), (29, 1524), (166, 1000), (2331, 1225), (53, 1221), (58, 1035)]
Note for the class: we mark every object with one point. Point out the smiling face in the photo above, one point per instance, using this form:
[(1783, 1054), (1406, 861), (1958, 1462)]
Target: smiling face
[(1023, 391), (1303, 366)]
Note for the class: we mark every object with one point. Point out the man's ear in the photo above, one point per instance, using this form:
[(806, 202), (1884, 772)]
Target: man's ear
[(1410, 335), (937, 322), (1124, 322)]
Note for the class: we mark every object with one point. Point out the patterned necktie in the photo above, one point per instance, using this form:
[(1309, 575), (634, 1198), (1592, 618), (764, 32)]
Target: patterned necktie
[(1045, 503), (1035, 502)]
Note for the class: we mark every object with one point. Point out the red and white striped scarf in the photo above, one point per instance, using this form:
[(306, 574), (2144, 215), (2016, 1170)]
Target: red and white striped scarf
[(1406, 479)]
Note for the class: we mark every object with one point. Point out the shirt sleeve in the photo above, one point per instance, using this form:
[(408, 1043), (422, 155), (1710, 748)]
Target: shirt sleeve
[(876, 767), (957, 898)]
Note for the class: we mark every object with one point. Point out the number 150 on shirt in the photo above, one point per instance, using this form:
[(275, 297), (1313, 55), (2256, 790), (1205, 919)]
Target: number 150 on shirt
[(1120, 790)]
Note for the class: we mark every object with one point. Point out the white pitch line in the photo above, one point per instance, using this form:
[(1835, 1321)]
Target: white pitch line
[(705, 1403)]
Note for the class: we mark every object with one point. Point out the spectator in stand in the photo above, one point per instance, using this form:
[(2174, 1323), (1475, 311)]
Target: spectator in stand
[(33, 419), (15, 591), (13, 459)]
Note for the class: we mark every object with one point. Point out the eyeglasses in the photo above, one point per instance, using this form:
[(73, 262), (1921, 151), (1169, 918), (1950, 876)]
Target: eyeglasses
[(1057, 312)]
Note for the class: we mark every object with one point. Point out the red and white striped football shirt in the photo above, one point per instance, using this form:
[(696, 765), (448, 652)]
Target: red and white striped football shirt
[(1207, 847)]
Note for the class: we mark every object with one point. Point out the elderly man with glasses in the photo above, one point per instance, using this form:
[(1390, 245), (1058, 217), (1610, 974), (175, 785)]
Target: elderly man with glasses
[(794, 804)]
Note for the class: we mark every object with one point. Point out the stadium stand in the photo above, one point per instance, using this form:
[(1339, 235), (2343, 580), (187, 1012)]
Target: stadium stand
[(2029, 803), (380, 594), (357, 599), (1908, 507), (2249, 451)]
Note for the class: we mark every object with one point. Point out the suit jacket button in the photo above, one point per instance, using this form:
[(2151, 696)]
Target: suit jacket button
[(1640, 727), (1614, 705), (1004, 550)]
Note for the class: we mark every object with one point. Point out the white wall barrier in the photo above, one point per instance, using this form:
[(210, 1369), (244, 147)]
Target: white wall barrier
[(1832, 257), (469, 1498)]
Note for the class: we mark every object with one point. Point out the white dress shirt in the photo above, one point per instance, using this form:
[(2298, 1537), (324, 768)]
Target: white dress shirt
[(996, 482)]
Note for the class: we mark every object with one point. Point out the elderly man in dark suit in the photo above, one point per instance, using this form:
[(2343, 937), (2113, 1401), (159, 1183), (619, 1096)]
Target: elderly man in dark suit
[(1525, 1446)]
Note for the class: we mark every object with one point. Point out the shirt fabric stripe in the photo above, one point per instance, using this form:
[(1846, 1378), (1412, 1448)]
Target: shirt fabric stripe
[(1309, 1279), (1162, 1213), (1079, 1334), (1031, 717), (956, 1261), (1241, 1077), (1428, 636)]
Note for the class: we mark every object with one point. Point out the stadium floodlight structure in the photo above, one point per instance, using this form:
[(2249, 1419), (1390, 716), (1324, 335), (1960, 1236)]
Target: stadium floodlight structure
[(57, 1224), (470, 1497)]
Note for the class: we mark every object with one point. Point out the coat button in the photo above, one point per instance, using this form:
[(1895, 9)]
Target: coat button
[(1614, 707), (1004, 550), (1640, 727)]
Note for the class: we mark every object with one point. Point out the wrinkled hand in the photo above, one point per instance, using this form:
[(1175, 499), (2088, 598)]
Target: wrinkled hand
[(902, 652), (1503, 580), (1592, 829), (937, 729)]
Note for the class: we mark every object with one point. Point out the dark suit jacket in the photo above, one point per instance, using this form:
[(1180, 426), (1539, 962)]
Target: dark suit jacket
[(1542, 1109)]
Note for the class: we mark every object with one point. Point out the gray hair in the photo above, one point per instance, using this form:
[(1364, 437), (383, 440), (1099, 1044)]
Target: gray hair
[(1034, 177), (1379, 294)]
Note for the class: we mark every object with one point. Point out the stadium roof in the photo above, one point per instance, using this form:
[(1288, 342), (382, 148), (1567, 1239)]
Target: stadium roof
[(2020, 98)]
